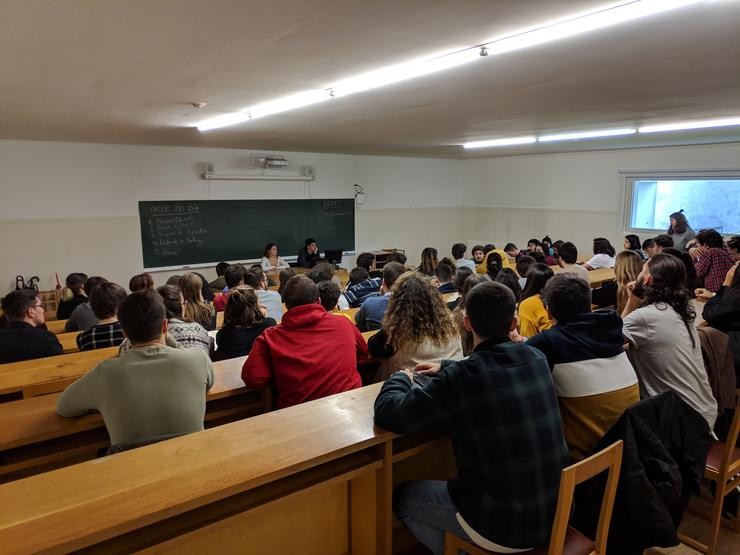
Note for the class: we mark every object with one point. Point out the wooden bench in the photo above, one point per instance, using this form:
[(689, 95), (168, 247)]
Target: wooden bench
[(595, 277), (69, 341), (17, 375), (314, 478), (34, 438), (56, 326)]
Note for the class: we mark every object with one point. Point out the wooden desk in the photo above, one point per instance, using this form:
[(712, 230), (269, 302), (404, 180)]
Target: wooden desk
[(56, 326), (341, 273), (34, 438), (69, 341), (595, 277), (314, 478)]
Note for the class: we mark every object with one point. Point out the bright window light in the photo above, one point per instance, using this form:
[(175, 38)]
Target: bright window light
[(501, 142), (685, 125), (586, 135)]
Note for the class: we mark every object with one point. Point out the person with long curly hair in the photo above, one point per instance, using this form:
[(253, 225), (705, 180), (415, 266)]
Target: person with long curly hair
[(664, 345), (417, 327)]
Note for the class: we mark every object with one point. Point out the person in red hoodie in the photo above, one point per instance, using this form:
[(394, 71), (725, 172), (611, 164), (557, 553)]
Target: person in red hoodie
[(311, 354)]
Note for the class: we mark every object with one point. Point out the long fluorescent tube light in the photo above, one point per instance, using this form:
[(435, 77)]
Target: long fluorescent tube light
[(586, 135), (569, 26), (685, 125), (501, 142)]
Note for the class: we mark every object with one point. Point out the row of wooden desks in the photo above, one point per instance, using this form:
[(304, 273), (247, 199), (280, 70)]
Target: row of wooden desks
[(314, 478)]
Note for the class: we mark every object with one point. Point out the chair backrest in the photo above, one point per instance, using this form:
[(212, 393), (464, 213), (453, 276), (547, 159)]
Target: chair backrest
[(608, 459), (726, 467)]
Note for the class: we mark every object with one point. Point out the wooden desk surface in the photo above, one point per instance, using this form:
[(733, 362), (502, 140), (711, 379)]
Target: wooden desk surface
[(32, 420), (69, 341), (595, 277), (56, 326), (73, 507)]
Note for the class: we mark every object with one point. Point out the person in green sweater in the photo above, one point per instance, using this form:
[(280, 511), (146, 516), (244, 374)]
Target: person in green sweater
[(154, 390)]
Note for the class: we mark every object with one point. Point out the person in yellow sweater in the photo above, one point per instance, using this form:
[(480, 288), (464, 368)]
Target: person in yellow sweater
[(533, 316), (482, 268)]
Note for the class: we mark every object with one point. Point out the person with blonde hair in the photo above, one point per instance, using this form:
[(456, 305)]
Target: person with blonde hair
[(196, 309), (72, 295), (243, 322), (627, 266), (417, 327), (429, 261)]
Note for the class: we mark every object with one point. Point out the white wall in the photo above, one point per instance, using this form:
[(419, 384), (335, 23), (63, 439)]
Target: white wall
[(572, 196), (73, 207)]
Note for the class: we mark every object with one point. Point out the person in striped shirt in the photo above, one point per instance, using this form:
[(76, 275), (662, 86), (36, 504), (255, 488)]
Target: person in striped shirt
[(104, 301)]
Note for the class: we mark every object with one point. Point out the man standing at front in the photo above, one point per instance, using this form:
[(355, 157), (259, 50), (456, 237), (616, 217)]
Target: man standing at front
[(502, 412), (311, 354)]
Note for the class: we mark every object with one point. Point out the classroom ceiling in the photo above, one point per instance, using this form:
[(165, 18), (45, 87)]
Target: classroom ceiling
[(128, 72)]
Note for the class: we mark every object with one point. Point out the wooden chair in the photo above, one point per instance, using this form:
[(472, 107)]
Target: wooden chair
[(563, 538), (722, 468)]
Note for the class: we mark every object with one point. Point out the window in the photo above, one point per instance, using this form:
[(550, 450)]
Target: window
[(708, 201)]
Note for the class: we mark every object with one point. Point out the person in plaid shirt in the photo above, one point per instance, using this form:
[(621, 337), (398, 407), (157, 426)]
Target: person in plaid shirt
[(104, 301), (714, 262), (502, 412)]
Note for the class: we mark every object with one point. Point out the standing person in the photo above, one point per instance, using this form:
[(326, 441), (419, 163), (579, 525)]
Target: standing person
[(310, 355), (417, 327), (458, 253), (632, 243), (196, 309), (186, 335), (22, 338), (664, 345), (72, 295), (256, 279), (309, 255), (429, 261), (533, 317), (680, 230), (243, 322), (373, 309), (154, 390), (593, 376), (568, 258), (83, 317), (104, 300), (713, 262), (505, 495), (603, 255), (271, 262)]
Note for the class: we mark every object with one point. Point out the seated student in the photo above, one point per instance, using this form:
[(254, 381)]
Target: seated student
[(627, 266), (309, 255), (533, 317), (104, 300), (271, 262), (664, 345), (501, 258), (494, 264), (662, 241), (459, 282), (234, 277), (722, 312), (271, 300), (327, 272), (733, 248), (444, 274), (243, 322), (632, 243), (506, 490), (196, 309), (140, 282), (206, 291), (603, 255), (72, 295), (593, 376), (522, 267), (367, 260), (218, 284), (568, 258), (513, 252), (458, 314), (285, 276), (458, 253), (417, 327), (186, 335), (310, 355), (508, 277), (175, 280), (429, 261), (692, 280), (329, 295), (22, 338), (397, 257), (649, 247), (547, 248), (83, 317), (713, 262), (532, 245), (360, 287), (373, 309), (478, 254), (154, 390)]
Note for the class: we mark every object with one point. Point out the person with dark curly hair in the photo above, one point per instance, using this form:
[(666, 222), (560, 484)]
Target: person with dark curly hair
[(243, 323), (417, 327), (664, 345)]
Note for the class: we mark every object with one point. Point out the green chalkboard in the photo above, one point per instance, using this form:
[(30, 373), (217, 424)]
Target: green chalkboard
[(187, 232)]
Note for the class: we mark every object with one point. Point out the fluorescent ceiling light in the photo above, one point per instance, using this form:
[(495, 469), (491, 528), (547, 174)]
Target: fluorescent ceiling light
[(586, 135), (690, 125), (501, 142), (569, 26)]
